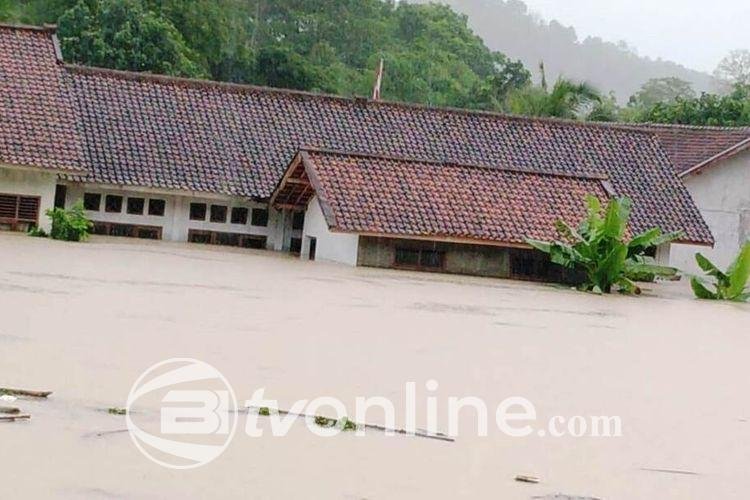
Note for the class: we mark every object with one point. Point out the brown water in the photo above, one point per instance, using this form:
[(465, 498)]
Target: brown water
[(85, 320)]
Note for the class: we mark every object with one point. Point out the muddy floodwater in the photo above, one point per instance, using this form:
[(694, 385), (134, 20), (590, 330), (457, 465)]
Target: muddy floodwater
[(85, 320)]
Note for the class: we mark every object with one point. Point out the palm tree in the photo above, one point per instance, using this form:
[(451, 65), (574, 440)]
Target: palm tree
[(566, 100)]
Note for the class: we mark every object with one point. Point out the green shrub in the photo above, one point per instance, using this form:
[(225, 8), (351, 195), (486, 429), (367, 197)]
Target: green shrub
[(729, 285), (598, 247), (70, 225), (37, 232)]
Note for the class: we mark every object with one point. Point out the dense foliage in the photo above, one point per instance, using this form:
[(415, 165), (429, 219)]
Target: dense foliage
[(598, 247), (71, 224), (708, 109), (729, 285)]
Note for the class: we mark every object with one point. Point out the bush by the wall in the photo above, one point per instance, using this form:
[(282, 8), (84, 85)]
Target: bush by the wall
[(70, 225)]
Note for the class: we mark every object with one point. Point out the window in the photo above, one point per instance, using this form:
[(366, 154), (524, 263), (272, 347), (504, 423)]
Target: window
[(227, 239), (61, 192), (313, 247), (18, 213), (127, 230), (199, 237), (218, 213), (135, 206), (529, 264), (419, 258), (260, 217), (197, 211), (156, 207), (407, 257), (92, 201), (239, 215), (256, 242), (113, 203), (295, 245), (298, 222)]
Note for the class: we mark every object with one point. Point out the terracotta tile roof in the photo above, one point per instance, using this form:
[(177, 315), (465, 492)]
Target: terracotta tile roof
[(153, 131), (233, 139), (37, 124), (690, 146), (393, 196)]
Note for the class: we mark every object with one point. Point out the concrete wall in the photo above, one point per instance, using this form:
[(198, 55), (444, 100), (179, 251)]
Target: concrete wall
[(722, 194), (30, 182), (330, 246), (176, 221)]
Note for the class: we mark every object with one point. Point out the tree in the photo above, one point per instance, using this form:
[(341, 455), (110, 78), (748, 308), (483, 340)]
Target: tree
[(122, 34), (664, 90), (566, 100), (598, 247), (606, 110), (708, 109), (735, 68)]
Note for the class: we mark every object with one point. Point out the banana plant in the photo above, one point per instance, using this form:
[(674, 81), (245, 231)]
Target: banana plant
[(729, 285), (599, 247)]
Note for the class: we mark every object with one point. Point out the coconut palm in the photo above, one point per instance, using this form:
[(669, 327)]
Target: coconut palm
[(567, 99)]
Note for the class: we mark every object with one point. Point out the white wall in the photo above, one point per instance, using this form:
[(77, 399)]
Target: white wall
[(330, 246), (722, 194), (31, 182), (176, 221)]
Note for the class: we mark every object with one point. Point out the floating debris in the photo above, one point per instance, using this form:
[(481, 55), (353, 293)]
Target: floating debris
[(24, 392), (527, 479), (671, 471), (13, 418), (560, 496), (348, 425)]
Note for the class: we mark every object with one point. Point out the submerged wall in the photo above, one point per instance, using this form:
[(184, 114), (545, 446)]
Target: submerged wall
[(329, 246), (469, 259), (722, 194), (176, 224), (30, 182)]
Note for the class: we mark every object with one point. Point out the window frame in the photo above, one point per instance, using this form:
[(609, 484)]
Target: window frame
[(259, 215), (98, 202), (419, 260), (113, 197), (242, 220), (136, 200), (163, 203), (222, 218), (201, 206)]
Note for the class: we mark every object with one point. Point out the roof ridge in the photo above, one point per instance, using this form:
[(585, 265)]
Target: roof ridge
[(680, 126), (450, 163), (356, 100), (47, 28)]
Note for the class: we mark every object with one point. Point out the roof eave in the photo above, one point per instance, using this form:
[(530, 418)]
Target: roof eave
[(724, 155)]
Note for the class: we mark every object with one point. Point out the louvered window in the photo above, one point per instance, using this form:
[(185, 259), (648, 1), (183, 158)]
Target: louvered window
[(15, 208)]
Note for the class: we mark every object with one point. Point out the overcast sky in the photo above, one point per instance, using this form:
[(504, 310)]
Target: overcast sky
[(695, 33)]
